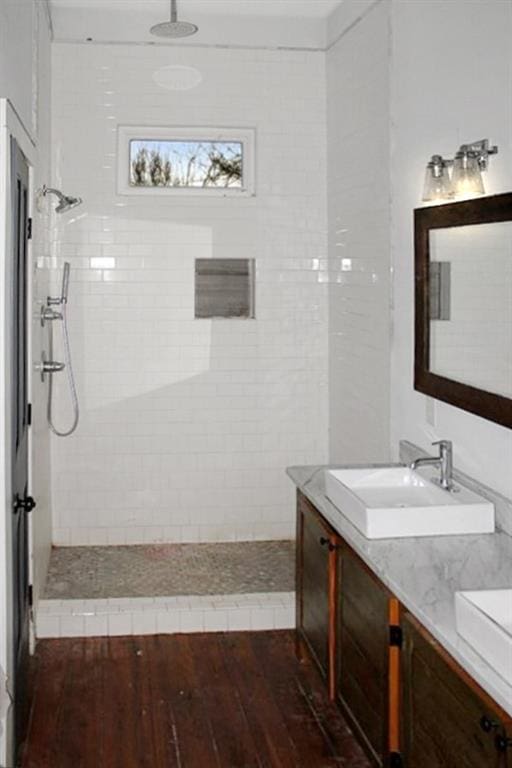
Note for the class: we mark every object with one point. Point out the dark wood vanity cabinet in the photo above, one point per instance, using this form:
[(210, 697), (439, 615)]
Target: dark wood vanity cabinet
[(343, 617), (410, 704), (315, 589), (365, 654), (448, 722)]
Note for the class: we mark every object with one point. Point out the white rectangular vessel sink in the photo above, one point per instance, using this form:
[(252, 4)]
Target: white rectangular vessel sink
[(484, 620), (390, 502)]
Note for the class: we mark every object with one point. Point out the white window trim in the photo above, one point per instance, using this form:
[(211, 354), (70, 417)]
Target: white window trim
[(128, 133)]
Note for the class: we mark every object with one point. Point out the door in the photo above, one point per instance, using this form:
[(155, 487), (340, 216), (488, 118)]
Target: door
[(317, 546), (22, 504), (363, 654)]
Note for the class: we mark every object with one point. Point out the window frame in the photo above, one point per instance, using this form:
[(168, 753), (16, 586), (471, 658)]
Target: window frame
[(129, 133)]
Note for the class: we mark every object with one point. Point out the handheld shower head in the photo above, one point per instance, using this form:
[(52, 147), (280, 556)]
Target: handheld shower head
[(65, 283), (174, 28), (66, 202)]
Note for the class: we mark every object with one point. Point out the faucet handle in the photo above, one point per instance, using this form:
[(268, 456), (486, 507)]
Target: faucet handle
[(443, 443)]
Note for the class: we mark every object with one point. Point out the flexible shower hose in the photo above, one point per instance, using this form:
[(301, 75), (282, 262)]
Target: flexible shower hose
[(70, 375)]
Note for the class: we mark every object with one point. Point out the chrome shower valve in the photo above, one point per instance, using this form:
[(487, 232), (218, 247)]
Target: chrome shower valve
[(48, 314), (48, 366)]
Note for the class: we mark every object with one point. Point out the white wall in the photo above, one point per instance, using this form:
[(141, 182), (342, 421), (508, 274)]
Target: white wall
[(25, 81), (41, 518), (445, 79), (404, 80), (358, 94), (187, 425), (347, 14), (18, 24), (451, 84)]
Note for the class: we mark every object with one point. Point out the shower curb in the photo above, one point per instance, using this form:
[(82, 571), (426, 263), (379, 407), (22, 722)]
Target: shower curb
[(110, 617)]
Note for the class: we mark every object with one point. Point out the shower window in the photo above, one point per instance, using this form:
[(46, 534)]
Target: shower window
[(184, 161), (224, 288)]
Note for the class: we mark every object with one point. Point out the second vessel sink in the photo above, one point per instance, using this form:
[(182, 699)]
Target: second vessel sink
[(390, 502), (484, 620)]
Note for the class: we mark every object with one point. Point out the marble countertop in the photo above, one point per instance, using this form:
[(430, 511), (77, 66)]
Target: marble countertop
[(425, 572)]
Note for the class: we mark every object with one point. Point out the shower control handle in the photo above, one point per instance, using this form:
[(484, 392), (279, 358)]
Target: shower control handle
[(52, 366), (48, 366), (48, 314)]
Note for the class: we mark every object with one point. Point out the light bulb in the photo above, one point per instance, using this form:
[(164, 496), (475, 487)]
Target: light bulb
[(467, 178), (438, 186)]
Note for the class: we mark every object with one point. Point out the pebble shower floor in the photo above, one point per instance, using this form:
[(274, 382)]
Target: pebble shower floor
[(168, 588)]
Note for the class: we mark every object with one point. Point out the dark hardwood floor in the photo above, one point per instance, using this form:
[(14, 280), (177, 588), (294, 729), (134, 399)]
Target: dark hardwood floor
[(227, 700)]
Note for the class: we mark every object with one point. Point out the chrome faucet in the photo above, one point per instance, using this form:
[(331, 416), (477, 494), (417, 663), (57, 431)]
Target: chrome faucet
[(444, 461)]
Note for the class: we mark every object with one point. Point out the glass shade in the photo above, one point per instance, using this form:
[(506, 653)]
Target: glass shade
[(438, 185), (467, 178)]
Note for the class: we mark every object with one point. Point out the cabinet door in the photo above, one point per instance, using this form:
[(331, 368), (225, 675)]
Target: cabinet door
[(317, 545), (363, 654), (448, 721)]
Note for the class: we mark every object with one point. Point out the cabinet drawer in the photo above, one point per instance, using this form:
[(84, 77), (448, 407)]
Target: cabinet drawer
[(444, 714)]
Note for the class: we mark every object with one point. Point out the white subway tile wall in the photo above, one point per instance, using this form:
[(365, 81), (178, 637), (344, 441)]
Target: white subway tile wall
[(358, 126), (187, 425)]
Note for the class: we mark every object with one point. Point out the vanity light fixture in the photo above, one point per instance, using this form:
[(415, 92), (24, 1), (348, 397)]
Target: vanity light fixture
[(438, 185), (466, 178)]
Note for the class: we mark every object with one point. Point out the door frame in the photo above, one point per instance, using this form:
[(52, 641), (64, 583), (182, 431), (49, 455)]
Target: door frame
[(11, 127)]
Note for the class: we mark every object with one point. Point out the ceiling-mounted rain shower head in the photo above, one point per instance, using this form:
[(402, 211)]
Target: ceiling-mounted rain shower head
[(174, 28), (66, 202)]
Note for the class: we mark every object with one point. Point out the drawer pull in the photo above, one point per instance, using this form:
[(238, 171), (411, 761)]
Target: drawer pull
[(327, 543), (502, 743), (488, 725)]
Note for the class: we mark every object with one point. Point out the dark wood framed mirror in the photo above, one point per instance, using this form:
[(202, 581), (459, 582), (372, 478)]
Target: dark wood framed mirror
[(463, 305)]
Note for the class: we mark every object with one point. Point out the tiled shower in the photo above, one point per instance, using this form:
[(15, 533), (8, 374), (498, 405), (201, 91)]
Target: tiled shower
[(187, 424)]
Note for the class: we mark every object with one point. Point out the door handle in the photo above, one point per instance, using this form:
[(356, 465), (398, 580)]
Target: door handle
[(24, 505)]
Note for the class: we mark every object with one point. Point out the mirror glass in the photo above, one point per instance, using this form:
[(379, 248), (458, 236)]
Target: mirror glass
[(470, 305)]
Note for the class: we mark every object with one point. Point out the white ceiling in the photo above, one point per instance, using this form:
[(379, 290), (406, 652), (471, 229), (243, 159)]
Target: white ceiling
[(269, 23), (288, 8)]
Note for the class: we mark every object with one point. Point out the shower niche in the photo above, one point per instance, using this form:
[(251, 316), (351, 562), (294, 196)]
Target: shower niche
[(224, 288)]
